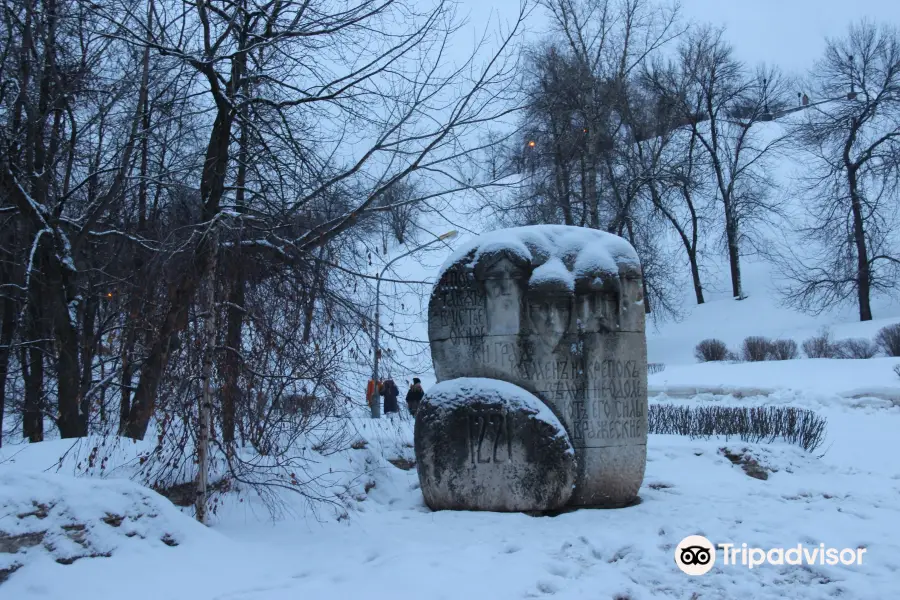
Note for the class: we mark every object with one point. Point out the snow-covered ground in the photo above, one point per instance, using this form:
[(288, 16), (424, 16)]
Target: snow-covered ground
[(821, 377), (391, 546), (376, 539)]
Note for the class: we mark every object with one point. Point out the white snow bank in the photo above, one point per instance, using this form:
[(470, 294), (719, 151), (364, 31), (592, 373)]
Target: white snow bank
[(50, 517), (589, 251), (872, 377), (453, 393)]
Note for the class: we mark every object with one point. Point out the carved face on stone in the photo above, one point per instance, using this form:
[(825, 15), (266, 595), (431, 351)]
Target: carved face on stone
[(548, 317), (502, 298), (595, 312), (597, 303)]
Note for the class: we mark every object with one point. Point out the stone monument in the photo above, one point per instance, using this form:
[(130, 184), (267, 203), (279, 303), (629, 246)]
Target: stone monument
[(485, 444), (557, 311)]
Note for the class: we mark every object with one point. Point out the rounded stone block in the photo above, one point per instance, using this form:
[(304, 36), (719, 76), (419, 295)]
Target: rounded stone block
[(559, 312), (484, 444)]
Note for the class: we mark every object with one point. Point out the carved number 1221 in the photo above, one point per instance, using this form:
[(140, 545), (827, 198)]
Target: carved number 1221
[(489, 439)]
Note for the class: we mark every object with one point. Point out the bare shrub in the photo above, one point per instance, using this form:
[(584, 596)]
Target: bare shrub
[(751, 424), (783, 350), (711, 350), (889, 339), (820, 346), (655, 368), (756, 348), (856, 348), (897, 370)]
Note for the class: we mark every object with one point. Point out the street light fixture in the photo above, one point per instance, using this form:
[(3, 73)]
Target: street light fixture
[(375, 403)]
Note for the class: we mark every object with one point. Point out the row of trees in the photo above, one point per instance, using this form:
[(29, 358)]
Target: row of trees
[(651, 130), (183, 191)]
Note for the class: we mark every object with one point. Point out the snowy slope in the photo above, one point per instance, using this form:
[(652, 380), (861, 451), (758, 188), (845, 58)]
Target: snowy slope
[(761, 313)]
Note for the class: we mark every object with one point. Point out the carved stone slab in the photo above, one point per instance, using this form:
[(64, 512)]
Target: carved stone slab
[(557, 311), (484, 444)]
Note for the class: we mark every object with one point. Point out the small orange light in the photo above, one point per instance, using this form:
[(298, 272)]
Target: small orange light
[(531, 144), (109, 295)]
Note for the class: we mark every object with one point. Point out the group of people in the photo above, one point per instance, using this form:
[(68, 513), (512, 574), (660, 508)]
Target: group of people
[(389, 391)]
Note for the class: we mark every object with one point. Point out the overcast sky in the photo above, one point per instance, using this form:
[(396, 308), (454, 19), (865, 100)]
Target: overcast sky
[(789, 33)]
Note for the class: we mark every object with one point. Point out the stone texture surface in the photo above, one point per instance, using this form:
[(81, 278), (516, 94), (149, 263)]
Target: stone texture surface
[(575, 340), (486, 444)]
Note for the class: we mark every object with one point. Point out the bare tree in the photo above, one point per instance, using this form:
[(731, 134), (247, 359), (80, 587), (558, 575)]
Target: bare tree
[(605, 44), (681, 180), (129, 131), (265, 51), (852, 147), (722, 105), (585, 138)]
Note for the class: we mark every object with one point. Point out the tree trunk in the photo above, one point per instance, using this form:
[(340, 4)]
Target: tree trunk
[(144, 401), (209, 309), (33, 374), (590, 192), (88, 351), (695, 275), (212, 188), (71, 422), (7, 328), (235, 311), (102, 392), (128, 340), (231, 371), (562, 177), (692, 252), (734, 255), (316, 290), (863, 274)]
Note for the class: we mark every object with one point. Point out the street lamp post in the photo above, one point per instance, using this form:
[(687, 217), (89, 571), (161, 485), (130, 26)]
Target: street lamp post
[(375, 403)]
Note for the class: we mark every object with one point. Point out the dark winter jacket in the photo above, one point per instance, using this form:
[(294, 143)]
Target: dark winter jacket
[(413, 397), (390, 392)]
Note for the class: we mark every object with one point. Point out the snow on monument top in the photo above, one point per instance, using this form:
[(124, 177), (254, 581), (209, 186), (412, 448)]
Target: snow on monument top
[(453, 393), (553, 249)]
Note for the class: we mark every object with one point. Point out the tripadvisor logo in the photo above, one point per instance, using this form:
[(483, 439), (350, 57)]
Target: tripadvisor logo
[(696, 555)]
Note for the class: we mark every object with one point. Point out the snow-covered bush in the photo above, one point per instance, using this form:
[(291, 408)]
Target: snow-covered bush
[(752, 424), (889, 339), (783, 350), (756, 348), (710, 350), (820, 346), (856, 348)]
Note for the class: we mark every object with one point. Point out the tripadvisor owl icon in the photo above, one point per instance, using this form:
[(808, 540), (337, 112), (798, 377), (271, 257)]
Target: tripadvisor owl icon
[(695, 555)]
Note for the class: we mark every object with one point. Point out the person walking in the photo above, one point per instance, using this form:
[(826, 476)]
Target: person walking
[(372, 393), (414, 396), (391, 393)]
